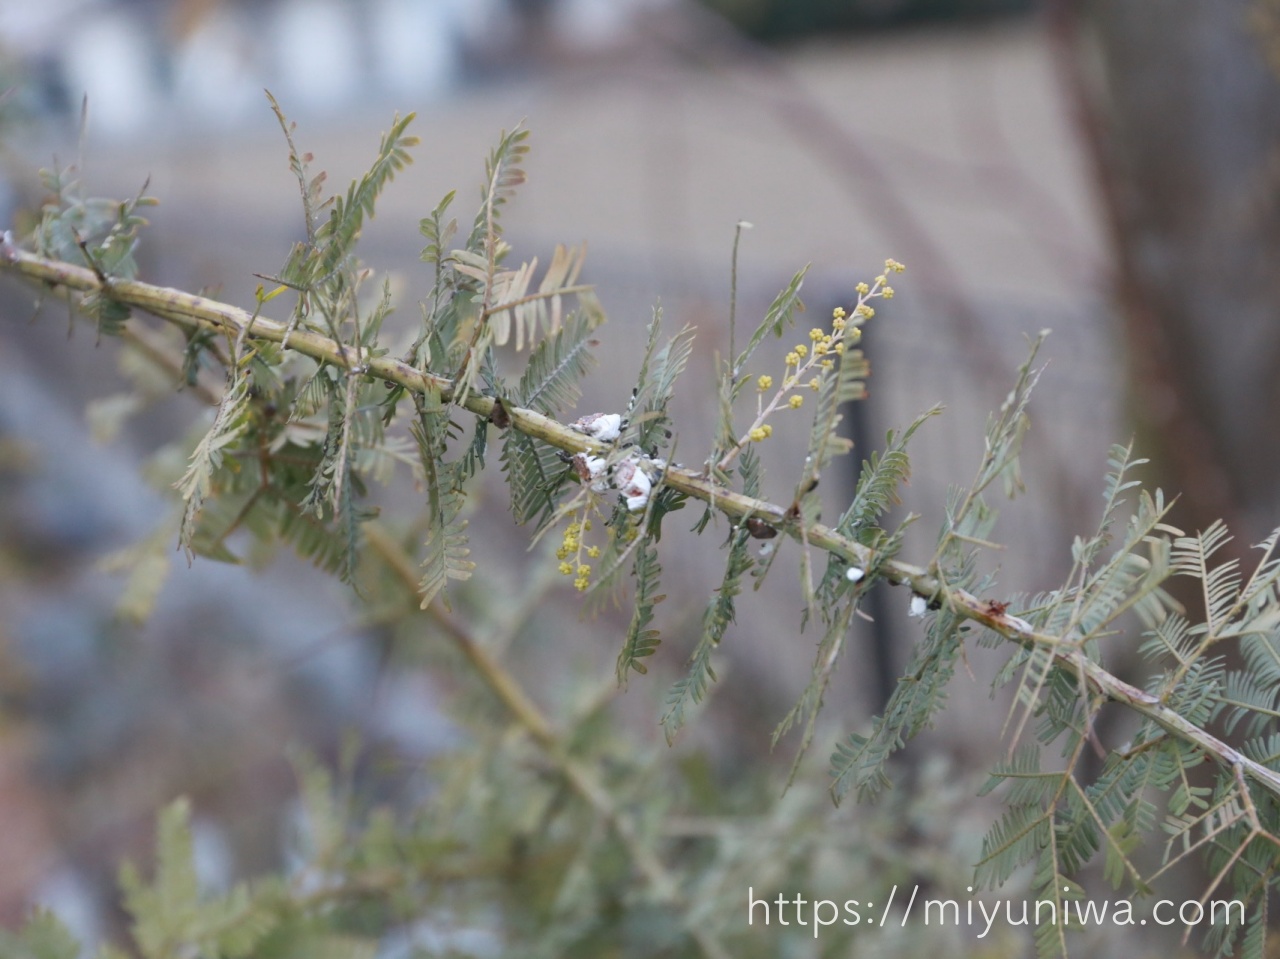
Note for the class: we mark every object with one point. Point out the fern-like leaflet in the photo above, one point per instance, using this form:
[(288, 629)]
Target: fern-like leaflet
[(719, 614), (642, 640)]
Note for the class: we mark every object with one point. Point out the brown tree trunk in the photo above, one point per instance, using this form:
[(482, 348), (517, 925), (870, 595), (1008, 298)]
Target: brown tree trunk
[(1180, 103)]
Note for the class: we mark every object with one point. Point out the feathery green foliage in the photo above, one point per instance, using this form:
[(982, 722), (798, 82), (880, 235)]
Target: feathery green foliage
[(777, 319), (647, 411), (331, 239), (641, 640), (229, 423), (503, 174), (689, 689), (172, 911), (838, 616), (549, 383), (882, 474), (859, 762), (715, 621), (42, 937), (545, 830), (101, 234), (779, 316), (446, 540), (535, 472)]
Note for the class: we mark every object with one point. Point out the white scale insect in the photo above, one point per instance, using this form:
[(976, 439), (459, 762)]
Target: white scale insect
[(605, 427), (629, 477), (633, 482)]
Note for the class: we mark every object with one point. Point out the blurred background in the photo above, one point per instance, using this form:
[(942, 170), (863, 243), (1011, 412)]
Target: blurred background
[(1104, 170)]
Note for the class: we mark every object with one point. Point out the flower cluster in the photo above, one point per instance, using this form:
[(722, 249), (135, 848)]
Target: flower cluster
[(572, 546), (808, 364)]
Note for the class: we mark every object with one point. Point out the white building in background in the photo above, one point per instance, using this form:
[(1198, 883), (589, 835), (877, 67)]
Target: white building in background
[(215, 72), (207, 64), (109, 56)]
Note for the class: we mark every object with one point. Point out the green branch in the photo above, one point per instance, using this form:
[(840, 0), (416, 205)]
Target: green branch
[(193, 311)]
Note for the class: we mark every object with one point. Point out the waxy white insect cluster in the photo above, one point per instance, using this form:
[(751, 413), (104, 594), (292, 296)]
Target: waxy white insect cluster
[(630, 476)]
